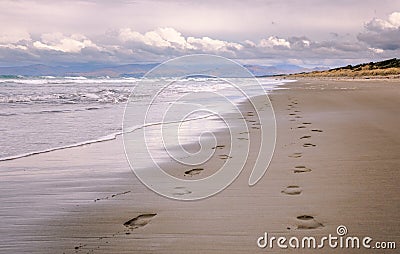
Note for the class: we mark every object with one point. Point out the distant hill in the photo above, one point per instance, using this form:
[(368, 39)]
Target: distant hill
[(389, 68), (130, 70), (126, 70), (261, 71), (86, 70)]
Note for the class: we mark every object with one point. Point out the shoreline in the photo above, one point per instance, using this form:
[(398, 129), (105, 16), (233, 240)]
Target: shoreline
[(334, 177)]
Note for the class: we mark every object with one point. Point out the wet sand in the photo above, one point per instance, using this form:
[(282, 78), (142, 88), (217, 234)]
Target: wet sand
[(336, 163)]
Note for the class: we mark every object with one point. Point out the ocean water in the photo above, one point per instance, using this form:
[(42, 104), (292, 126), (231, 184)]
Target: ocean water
[(44, 114)]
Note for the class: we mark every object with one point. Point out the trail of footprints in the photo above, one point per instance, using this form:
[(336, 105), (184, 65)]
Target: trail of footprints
[(197, 171), (180, 191), (142, 220), (304, 221)]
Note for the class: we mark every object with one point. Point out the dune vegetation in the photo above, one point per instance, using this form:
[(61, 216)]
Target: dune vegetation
[(387, 68)]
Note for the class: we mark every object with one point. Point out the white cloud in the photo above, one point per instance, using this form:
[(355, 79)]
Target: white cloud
[(274, 41), (14, 36), (174, 37), (13, 46), (378, 51), (14, 40), (170, 38), (250, 43), (299, 43), (151, 38), (67, 44), (392, 22), (208, 44), (394, 19), (378, 25), (306, 43)]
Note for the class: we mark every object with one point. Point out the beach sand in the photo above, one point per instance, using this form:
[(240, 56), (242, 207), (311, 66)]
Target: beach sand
[(336, 162)]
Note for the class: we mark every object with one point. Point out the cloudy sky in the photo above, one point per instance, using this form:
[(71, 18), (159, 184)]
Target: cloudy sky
[(308, 32)]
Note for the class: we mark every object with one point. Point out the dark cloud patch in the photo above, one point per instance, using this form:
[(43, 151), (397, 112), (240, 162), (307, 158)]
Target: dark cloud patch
[(387, 39)]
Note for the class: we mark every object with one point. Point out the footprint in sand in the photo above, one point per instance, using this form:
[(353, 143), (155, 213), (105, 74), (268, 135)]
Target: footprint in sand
[(292, 120), (250, 113), (298, 117), (292, 114), (305, 136), (193, 172), (306, 123), (292, 190), (255, 127), (308, 222), (120, 193), (219, 147), (309, 145), (316, 130), (80, 246), (180, 191), (224, 157), (301, 169), (297, 111), (301, 127), (252, 121), (243, 138), (296, 155), (139, 221), (112, 196)]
